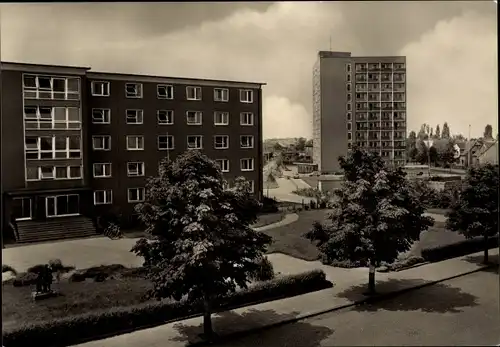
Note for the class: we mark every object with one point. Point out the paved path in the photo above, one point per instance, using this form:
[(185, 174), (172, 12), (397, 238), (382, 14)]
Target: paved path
[(458, 312), (346, 291), (85, 253), (284, 192)]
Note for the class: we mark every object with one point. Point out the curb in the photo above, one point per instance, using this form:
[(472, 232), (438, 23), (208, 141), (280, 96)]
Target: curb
[(372, 299)]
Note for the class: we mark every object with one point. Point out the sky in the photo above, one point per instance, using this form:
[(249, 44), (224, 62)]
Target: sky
[(451, 49)]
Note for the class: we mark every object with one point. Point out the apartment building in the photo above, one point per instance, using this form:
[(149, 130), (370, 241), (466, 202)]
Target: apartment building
[(358, 101), (77, 144)]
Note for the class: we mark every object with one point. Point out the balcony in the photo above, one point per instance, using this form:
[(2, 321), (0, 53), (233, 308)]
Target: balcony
[(374, 87), (399, 78), (373, 78), (360, 78), (399, 66), (361, 68), (361, 87), (386, 78), (373, 67)]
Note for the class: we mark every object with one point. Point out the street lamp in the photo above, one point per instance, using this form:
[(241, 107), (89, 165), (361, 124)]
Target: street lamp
[(429, 144)]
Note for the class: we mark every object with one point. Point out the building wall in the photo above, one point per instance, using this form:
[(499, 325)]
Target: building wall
[(119, 156), (333, 138), (490, 155), (316, 151)]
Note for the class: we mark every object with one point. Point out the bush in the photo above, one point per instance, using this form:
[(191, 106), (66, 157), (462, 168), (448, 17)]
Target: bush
[(346, 264), (98, 273), (312, 204), (37, 268), (405, 263), (24, 279), (269, 205), (8, 268), (56, 265), (307, 192), (458, 249), (265, 271), (76, 329)]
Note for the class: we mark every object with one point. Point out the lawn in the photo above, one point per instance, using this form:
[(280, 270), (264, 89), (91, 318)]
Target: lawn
[(288, 239), (311, 180), (76, 298)]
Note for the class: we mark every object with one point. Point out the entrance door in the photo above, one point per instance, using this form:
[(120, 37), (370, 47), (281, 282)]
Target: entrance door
[(22, 209), (62, 205)]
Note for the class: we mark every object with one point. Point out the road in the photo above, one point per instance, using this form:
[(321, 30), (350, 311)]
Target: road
[(462, 311)]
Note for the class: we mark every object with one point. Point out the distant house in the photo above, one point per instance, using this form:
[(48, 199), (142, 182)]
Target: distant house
[(488, 153), (471, 151)]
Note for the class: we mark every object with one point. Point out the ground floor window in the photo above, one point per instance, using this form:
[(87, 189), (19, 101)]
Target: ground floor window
[(62, 205), (22, 208)]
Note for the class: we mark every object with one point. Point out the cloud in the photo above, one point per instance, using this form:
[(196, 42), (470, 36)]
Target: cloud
[(453, 74), (278, 45)]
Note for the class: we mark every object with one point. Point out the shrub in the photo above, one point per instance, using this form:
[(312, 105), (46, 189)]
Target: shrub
[(8, 268), (76, 329), (458, 249), (98, 273), (56, 265), (265, 271), (312, 204), (346, 264), (269, 205), (24, 279), (404, 263), (37, 268), (307, 192)]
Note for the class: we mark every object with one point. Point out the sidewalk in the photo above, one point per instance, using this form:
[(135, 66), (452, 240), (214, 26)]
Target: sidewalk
[(345, 293)]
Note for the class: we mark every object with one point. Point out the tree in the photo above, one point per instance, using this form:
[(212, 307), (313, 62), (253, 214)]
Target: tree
[(447, 154), (475, 213), (377, 215), (445, 133), (422, 155), (300, 144), (203, 246), (411, 146), (437, 135), (488, 132), (433, 155), (309, 143)]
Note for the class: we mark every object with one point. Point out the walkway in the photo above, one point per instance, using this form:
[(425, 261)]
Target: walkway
[(346, 292), (85, 253)]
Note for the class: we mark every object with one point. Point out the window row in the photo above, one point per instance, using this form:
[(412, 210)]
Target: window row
[(138, 169), (134, 195), (166, 117), (165, 91), (51, 87), (52, 147), (377, 87), (379, 66), (365, 106), (374, 116), (52, 117), (380, 96), (55, 206), (166, 142), (377, 77), (50, 172)]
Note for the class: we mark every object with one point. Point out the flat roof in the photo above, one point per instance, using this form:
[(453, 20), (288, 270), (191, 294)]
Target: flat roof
[(48, 68)]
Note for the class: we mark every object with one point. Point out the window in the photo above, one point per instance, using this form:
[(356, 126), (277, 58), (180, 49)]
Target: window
[(62, 205), (133, 90), (134, 116), (252, 186), (54, 88), (221, 142), (135, 194), (348, 67), (246, 96), (102, 170), (221, 118), (135, 169), (165, 117), (349, 116), (135, 143), (349, 97), (349, 87), (165, 142), (349, 136), (223, 164), (348, 78), (101, 116), (247, 164), (195, 142), (246, 141), (246, 118), (101, 143), (165, 91), (75, 172), (349, 126), (194, 118), (61, 172), (52, 147), (349, 107), (100, 88), (47, 172), (21, 208), (221, 94), (103, 197), (52, 118), (32, 173), (193, 93)]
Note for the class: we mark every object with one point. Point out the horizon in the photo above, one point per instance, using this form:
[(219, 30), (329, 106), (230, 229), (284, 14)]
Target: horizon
[(450, 49)]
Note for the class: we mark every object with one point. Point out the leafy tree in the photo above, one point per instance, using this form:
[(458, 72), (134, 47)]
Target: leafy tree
[(488, 132), (447, 154), (423, 133), (411, 146), (300, 144), (437, 134), (376, 215), (445, 133), (459, 137), (422, 155), (309, 143), (202, 244), (433, 155), (475, 213), (277, 147)]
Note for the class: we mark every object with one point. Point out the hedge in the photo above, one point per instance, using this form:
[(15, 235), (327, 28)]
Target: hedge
[(95, 325), (458, 249)]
